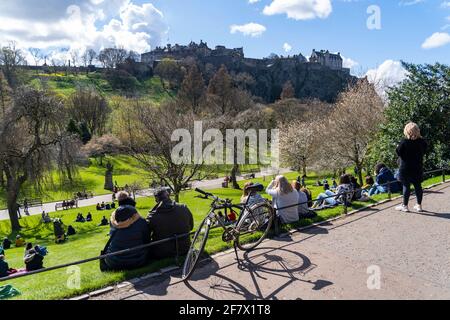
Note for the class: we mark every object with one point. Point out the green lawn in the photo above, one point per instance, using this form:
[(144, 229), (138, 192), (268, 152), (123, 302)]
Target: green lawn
[(91, 239)]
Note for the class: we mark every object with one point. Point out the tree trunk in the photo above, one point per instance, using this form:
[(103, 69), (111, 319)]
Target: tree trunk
[(304, 167), (12, 194), (234, 178), (360, 175)]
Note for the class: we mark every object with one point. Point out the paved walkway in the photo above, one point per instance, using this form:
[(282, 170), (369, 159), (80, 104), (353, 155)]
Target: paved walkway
[(332, 261), (50, 207)]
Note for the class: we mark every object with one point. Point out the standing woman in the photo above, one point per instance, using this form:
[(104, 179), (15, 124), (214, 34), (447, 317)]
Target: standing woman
[(411, 152)]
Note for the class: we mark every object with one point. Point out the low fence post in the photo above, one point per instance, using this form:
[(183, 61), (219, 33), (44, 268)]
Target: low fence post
[(443, 175), (177, 250), (345, 204), (389, 191)]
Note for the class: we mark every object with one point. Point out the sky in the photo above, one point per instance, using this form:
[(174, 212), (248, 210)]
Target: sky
[(373, 36)]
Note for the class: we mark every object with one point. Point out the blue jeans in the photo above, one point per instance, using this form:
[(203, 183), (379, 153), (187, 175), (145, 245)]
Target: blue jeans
[(376, 189), (326, 194)]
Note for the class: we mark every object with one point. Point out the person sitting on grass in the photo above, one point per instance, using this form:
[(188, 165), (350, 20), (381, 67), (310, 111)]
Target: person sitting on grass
[(128, 230), (104, 222), (250, 197), (6, 244), (308, 195), (107, 206), (80, 218), (303, 209), (89, 217), (283, 195), (166, 220), (334, 198), (46, 217), (113, 205), (384, 180), (71, 231), (369, 183), (334, 185), (20, 242), (5, 270), (103, 206), (98, 207), (58, 228), (33, 258)]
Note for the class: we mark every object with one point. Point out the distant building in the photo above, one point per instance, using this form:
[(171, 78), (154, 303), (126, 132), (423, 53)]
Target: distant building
[(222, 55), (333, 61)]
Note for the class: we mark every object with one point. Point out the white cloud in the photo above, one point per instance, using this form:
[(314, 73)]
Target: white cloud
[(410, 2), (349, 63), (300, 9), (79, 24), (436, 40), (250, 29), (445, 4), (287, 47), (390, 73), (253, 1)]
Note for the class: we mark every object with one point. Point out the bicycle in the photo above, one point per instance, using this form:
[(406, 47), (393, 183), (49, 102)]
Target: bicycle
[(248, 230)]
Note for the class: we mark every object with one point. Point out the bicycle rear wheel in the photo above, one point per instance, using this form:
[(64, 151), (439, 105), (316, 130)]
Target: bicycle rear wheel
[(254, 226), (196, 249)]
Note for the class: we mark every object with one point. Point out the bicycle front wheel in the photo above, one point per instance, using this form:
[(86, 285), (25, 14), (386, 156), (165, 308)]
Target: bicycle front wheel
[(196, 249), (254, 226)]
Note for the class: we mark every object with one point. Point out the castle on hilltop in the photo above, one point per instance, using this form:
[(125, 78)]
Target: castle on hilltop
[(223, 55)]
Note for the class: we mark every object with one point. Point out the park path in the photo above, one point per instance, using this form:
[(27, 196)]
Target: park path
[(206, 184), (332, 261)]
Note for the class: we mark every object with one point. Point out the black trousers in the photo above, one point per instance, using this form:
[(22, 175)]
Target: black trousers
[(407, 190)]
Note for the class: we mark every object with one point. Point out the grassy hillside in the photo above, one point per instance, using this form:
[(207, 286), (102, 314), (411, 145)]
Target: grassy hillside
[(66, 84)]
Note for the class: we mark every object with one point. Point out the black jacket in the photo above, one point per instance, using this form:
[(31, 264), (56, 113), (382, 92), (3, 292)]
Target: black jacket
[(411, 153), (167, 220), (33, 260), (125, 235)]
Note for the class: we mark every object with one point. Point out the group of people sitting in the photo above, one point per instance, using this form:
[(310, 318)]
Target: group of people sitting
[(81, 219), (105, 206), (33, 260), (285, 196), (68, 204), (83, 195), (129, 229)]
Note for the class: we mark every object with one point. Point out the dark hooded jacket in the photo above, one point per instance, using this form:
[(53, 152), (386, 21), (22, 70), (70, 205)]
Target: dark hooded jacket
[(128, 230), (165, 221), (33, 260)]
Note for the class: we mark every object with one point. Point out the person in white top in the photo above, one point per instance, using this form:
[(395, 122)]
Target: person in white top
[(283, 195)]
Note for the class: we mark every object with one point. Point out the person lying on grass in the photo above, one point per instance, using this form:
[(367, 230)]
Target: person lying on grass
[(331, 198)]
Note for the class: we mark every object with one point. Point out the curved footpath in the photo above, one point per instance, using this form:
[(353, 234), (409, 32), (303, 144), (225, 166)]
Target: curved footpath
[(341, 259), (50, 207)]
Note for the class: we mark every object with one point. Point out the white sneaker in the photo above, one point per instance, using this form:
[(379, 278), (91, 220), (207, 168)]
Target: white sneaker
[(402, 208), (418, 208)]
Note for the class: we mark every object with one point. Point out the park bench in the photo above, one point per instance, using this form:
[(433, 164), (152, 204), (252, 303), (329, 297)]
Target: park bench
[(69, 205)]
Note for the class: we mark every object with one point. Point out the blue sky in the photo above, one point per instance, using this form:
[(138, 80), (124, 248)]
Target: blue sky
[(415, 31), (404, 29)]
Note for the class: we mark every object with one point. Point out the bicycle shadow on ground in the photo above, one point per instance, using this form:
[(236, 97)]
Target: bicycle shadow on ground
[(263, 265)]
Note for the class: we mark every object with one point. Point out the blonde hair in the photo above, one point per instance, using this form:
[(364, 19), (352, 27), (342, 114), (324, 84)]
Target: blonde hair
[(282, 185), (412, 131)]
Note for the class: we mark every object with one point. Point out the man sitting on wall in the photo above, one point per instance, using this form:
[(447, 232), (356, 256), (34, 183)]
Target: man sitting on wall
[(166, 220)]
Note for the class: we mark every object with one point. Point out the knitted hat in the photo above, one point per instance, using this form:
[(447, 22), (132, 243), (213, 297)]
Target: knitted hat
[(124, 213)]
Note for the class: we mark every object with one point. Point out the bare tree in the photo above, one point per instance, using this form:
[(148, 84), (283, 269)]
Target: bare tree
[(288, 91), (5, 93), (111, 57), (298, 143), (100, 147), (11, 58), (192, 89), (353, 124), (37, 55), (31, 135), (146, 131)]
